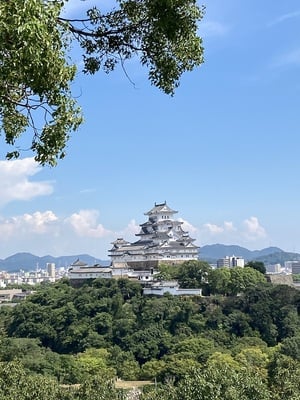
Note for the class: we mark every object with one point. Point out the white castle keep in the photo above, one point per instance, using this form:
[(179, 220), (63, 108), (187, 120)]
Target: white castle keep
[(161, 241)]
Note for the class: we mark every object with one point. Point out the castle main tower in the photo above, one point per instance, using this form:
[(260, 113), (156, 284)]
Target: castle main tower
[(161, 241)]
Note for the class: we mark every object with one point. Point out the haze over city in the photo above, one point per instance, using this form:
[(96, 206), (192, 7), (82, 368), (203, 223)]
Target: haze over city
[(224, 151)]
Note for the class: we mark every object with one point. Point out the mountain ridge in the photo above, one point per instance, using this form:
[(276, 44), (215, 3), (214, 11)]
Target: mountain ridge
[(269, 255), (221, 250), (27, 261)]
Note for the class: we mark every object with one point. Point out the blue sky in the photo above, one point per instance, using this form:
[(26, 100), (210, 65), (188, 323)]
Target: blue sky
[(224, 151)]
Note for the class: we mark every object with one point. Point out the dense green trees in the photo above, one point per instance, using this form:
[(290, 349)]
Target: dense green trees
[(37, 71), (195, 348), (258, 265), (15, 383), (222, 383), (225, 281), (194, 274), (231, 281)]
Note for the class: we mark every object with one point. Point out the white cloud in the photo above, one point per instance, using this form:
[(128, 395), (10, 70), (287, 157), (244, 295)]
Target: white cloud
[(248, 233), (253, 229), (85, 224), (212, 28), (285, 17), (228, 226), (38, 222), (15, 183), (129, 232), (45, 232), (188, 227), (214, 229)]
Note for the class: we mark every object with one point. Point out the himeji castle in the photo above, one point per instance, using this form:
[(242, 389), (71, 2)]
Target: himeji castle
[(162, 240)]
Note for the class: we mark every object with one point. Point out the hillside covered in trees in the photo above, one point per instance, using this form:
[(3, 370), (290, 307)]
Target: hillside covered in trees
[(240, 341)]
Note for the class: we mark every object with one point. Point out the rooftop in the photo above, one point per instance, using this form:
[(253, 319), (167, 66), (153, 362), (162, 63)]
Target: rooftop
[(159, 208)]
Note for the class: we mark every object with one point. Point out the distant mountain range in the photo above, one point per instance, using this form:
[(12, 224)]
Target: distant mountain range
[(209, 253), (269, 255), (30, 262)]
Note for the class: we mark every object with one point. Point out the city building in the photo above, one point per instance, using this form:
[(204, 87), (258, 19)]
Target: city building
[(229, 262), (296, 267), (51, 270), (171, 287), (162, 240), (273, 268), (288, 266)]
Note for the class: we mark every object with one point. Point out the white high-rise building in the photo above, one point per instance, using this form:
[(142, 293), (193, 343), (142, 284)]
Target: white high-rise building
[(229, 262), (51, 270)]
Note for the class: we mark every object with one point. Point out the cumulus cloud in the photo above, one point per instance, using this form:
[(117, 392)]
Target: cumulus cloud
[(15, 181), (247, 232), (188, 227), (47, 233), (253, 229), (38, 222), (129, 231), (214, 229), (228, 226), (85, 224)]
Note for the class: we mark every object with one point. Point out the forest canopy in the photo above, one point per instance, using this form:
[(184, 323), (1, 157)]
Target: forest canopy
[(197, 348)]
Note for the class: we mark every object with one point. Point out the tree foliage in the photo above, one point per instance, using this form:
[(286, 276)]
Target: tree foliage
[(35, 77), (227, 347), (194, 274), (231, 281), (36, 70), (15, 384), (258, 265)]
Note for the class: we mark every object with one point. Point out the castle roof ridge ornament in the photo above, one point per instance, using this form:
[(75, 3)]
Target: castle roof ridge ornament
[(160, 204), (161, 208)]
